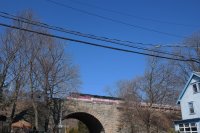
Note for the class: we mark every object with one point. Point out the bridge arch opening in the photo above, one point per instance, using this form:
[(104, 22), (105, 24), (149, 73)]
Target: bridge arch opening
[(92, 123)]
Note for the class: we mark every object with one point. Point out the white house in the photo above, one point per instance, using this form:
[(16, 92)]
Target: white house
[(189, 101)]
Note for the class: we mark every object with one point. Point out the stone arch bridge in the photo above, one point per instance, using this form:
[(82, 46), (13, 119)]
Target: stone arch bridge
[(101, 114)]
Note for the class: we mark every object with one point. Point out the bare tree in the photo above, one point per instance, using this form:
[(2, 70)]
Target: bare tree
[(9, 47), (56, 75), (13, 66), (128, 92), (32, 49), (17, 83), (145, 93), (191, 51), (38, 63)]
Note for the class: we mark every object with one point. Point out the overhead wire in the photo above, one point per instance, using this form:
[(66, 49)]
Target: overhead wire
[(95, 44), (115, 20), (44, 25), (72, 31), (25, 20), (129, 15)]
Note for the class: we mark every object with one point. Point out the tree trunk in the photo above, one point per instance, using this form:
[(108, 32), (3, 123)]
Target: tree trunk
[(1, 96), (148, 128), (34, 104), (2, 80), (46, 124), (12, 116), (15, 97), (35, 113), (55, 129)]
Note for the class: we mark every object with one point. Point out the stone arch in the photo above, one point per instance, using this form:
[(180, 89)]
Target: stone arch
[(92, 123)]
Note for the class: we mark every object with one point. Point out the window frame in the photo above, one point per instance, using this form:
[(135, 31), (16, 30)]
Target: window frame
[(191, 107), (192, 125), (196, 88)]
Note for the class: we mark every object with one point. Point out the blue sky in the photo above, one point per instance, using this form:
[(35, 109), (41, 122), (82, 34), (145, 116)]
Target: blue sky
[(101, 68)]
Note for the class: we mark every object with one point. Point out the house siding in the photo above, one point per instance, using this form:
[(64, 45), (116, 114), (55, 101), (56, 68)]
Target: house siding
[(185, 98), (190, 96), (198, 127)]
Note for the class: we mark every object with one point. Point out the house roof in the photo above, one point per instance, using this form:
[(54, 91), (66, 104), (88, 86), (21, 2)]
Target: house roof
[(197, 74), (21, 124)]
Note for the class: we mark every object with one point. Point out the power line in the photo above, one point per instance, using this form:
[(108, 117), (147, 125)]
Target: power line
[(72, 31), (82, 35), (115, 20), (95, 44), (130, 15)]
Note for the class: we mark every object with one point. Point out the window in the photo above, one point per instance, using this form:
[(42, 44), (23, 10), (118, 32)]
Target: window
[(188, 128), (191, 107), (195, 90), (198, 86)]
